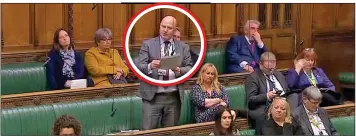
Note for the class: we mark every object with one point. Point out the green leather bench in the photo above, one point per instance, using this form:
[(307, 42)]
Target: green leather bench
[(344, 125), (237, 96), (216, 57), (347, 78), (248, 132), (23, 78)]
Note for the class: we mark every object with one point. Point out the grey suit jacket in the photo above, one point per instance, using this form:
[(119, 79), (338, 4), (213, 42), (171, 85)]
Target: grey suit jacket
[(151, 50), (256, 87), (299, 115)]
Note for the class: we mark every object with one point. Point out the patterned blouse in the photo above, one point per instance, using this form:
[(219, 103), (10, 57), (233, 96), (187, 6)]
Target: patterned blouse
[(198, 96)]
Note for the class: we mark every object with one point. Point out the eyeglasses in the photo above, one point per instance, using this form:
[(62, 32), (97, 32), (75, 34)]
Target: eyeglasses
[(309, 49), (110, 39), (314, 102), (254, 28)]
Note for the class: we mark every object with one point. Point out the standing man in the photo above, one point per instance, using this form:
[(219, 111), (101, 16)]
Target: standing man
[(162, 103), (194, 56), (244, 51)]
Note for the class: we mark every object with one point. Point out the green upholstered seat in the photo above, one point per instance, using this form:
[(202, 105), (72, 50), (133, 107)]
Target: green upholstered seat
[(216, 57), (237, 96), (33, 120), (344, 125), (23, 78), (347, 78), (187, 115), (248, 132)]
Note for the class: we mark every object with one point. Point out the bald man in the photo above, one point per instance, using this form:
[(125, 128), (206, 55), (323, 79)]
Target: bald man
[(162, 104)]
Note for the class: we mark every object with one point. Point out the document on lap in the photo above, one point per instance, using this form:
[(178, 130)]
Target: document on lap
[(170, 62), (78, 83)]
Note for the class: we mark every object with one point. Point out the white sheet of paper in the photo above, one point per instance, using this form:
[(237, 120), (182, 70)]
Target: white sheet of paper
[(170, 62), (78, 83)]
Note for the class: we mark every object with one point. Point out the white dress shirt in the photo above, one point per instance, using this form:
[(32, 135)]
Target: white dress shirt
[(318, 125)]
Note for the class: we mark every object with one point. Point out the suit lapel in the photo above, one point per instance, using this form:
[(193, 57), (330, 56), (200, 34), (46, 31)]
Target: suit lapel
[(305, 119), (325, 121), (248, 45), (280, 79), (156, 47), (262, 78)]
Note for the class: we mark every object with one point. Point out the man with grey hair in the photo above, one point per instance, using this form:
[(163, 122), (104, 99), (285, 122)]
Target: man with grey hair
[(162, 103), (264, 84), (242, 53), (313, 119)]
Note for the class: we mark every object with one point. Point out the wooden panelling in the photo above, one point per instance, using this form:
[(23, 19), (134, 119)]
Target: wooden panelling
[(147, 26), (204, 14), (335, 54), (116, 17), (323, 16), (345, 16), (15, 23), (85, 24), (48, 18), (226, 20)]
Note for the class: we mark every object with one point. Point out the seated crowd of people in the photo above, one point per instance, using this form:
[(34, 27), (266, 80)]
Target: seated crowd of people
[(277, 104)]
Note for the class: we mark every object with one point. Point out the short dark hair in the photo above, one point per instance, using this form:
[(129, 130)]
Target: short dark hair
[(218, 115), (67, 121)]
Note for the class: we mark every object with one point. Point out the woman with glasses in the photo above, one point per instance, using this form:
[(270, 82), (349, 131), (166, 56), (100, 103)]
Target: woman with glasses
[(64, 64), (103, 62), (224, 121), (305, 74), (279, 121)]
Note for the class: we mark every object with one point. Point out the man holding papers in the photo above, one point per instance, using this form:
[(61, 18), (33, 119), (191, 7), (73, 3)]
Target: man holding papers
[(162, 104)]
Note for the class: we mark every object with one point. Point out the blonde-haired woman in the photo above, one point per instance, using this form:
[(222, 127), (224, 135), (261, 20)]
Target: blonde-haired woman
[(279, 121), (208, 94)]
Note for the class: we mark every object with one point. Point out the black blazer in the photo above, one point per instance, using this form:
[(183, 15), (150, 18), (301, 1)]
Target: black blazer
[(256, 87), (269, 128), (300, 115)]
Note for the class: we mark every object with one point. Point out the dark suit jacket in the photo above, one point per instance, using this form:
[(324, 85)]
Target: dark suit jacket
[(238, 50), (269, 126), (55, 77), (299, 115), (256, 87), (151, 50)]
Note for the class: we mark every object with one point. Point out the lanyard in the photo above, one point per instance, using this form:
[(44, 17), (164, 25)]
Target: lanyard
[(315, 123), (312, 78)]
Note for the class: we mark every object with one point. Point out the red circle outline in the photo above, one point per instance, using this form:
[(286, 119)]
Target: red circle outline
[(126, 46)]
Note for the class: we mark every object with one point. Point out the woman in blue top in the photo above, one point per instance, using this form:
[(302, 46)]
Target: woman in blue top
[(64, 64), (306, 74), (208, 95)]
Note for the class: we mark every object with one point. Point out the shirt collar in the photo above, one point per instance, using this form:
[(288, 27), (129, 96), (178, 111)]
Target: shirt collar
[(316, 112), (162, 41)]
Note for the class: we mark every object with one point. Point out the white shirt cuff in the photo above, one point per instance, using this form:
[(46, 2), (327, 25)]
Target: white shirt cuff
[(243, 64), (149, 68), (260, 45)]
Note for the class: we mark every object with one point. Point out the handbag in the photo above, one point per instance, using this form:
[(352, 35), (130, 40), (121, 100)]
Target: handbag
[(121, 80)]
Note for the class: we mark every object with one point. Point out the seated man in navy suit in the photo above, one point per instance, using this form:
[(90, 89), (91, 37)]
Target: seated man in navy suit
[(244, 51)]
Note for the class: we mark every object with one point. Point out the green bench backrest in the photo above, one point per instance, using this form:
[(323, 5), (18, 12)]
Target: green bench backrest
[(34, 120), (344, 125), (216, 57), (237, 96), (23, 78)]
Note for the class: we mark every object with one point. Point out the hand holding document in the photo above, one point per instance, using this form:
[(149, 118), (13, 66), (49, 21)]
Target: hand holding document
[(170, 62), (78, 83)]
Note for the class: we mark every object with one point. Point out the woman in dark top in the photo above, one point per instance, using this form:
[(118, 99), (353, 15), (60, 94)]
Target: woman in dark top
[(224, 119), (64, 64), (279, 120), (207, 95)]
